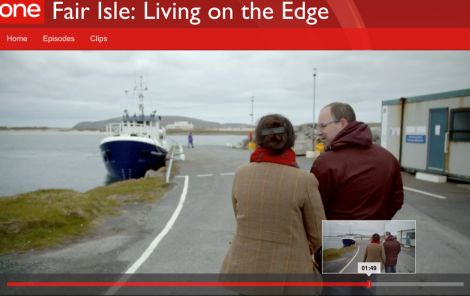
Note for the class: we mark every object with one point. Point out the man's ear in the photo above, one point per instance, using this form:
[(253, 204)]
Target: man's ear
[(343, 122)]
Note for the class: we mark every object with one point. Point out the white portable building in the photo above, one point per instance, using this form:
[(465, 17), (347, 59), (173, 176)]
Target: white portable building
[(430, 133)]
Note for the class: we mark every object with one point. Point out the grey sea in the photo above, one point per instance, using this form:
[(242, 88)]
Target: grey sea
[(32, 160)]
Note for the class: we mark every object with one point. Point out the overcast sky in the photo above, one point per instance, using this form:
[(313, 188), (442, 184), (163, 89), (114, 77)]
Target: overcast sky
[(61, 88), (333, 228)]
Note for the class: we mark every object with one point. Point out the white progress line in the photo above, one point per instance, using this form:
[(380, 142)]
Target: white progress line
[(358, 248), (204, 175), (153, 245), (227, 174), (425, 193)]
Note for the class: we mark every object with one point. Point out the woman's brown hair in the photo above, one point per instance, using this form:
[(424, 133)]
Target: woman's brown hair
[(275, 132)]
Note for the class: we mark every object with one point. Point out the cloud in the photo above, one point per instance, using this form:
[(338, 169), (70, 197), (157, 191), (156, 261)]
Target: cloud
[(64, 87)]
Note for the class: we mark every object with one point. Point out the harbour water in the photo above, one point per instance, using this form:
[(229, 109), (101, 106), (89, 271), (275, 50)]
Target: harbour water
[(32, 160)]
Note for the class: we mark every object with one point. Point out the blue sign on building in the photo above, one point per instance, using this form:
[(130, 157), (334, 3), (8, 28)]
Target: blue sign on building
[(416, 139)]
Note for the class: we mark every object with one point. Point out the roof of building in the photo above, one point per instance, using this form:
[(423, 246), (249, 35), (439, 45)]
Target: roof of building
[(436, 96)]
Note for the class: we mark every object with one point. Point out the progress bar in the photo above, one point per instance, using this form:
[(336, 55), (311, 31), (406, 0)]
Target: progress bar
[(418, 284), (189, 284), (368, 284)]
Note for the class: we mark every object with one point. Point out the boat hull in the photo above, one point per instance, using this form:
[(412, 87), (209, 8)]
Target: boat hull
[(131, 158), (348, 242)]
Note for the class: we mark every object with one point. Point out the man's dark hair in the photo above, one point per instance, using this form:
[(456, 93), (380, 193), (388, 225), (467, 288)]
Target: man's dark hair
[(375, 236), (341, 110), (275, 132)]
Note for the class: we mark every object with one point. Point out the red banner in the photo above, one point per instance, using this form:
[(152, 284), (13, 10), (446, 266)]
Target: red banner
[(229, 24), (236, 39)]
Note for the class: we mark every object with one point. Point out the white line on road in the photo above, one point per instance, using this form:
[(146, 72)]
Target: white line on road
[(358, 248), (227, 174), (153, 245), (425, 193), (204, 175), (164, 232)]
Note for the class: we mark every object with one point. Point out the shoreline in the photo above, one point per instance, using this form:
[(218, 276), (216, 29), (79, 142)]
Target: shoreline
[(207, 132), (47, 131)]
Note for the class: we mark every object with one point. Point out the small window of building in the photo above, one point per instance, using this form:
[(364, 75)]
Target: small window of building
[(460, 125)]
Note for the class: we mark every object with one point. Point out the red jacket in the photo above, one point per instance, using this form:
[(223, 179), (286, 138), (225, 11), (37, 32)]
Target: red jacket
[(358, 180), (392, 248)]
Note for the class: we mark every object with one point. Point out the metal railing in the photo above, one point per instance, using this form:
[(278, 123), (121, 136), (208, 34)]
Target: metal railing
[(176, 153), (131, 128)]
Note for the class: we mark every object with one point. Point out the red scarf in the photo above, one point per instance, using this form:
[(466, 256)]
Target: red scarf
[(264, 155), (376, 241)]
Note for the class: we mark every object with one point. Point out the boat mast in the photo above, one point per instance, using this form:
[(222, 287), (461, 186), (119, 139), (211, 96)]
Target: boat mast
[(140, 88)]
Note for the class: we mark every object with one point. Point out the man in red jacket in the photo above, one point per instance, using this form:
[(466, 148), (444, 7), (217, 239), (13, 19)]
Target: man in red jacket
[(392, 248), (358, 180)]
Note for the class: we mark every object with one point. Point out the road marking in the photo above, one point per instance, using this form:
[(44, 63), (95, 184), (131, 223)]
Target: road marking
[(424, 192), (357, 252), (164, 232), (227, 174), (205, 175), (153, 245)]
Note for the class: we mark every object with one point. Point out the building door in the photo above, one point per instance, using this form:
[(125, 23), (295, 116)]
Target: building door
[(437, 134)]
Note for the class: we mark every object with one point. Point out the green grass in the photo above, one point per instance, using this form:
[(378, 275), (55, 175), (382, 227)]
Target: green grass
[(45, 218), (332, 254)]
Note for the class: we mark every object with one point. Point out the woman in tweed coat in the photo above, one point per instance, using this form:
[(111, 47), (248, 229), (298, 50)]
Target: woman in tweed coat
[(375, 251), (277, 206)]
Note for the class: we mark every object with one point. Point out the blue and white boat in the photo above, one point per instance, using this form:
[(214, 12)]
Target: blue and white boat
[(136, 144), (349, 241)]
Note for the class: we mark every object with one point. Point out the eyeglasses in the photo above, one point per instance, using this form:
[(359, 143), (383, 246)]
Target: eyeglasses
[(325, 124)]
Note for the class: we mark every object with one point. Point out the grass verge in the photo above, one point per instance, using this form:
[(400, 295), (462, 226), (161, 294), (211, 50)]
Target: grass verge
[(44, 218), (332, 254)]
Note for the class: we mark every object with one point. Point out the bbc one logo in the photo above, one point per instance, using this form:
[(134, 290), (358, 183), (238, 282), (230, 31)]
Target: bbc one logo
[(21, 12)]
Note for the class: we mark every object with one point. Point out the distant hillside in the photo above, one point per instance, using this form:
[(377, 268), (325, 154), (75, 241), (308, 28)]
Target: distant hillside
[(198, 123), (95, 125)]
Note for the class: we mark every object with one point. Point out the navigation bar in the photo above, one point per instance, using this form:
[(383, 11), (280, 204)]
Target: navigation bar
[(234, 39)]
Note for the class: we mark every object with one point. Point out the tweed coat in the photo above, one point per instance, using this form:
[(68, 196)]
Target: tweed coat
[(279, 213), (375, 253)]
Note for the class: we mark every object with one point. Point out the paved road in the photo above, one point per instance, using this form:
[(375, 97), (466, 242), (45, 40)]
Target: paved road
[(199, 238), (442, 225)]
